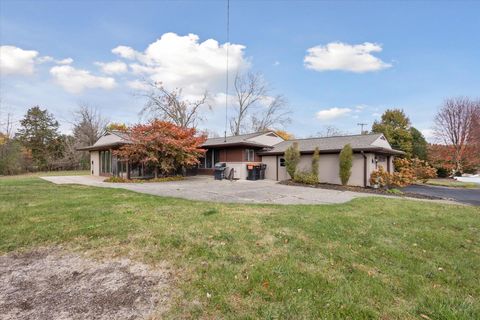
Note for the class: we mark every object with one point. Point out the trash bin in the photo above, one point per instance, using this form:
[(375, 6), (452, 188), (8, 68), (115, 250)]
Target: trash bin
[(263, 167), (220, 170), (251, 172), (256, 171)]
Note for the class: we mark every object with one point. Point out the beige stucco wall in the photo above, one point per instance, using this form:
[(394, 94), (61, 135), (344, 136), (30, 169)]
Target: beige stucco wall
[(271, 171), (95, 163), (240, 169), (328, 168)]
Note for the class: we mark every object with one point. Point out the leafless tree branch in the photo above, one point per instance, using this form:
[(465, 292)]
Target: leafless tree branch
[(250, 90), (169, 105), (454, 125)]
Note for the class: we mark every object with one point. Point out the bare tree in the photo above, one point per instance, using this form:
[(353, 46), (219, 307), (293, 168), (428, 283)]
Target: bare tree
[(88, 125), (475, 132), (169, 105), (250, 89), (276, 114), (453, 125), (330, 131)]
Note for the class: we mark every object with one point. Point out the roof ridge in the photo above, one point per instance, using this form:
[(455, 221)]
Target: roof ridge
[(339, 136), (118, 133), (254, 134)]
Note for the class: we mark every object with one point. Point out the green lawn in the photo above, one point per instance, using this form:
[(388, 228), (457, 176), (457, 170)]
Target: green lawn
[(452, 183), (370, 258), (50, 173)]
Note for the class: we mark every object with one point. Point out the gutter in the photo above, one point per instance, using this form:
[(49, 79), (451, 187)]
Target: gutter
[(333, 151)]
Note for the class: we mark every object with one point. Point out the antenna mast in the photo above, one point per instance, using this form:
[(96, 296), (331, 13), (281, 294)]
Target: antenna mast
[(362, 125), (226, 80)]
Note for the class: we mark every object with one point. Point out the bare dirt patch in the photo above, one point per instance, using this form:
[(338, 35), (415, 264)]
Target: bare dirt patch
[(53, 284)]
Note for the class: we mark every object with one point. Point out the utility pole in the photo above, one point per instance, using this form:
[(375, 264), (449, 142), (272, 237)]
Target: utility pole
[(362, 125)]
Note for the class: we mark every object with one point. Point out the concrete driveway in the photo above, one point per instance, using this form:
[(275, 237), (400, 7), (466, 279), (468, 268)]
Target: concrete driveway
[(208, 189), (468, 196)]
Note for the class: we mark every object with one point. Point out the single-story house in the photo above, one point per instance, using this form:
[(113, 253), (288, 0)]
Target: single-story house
[(369, 152), (238, 152), (104, 163)]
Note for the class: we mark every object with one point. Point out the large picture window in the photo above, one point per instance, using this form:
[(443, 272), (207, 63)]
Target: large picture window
[(212, 156)]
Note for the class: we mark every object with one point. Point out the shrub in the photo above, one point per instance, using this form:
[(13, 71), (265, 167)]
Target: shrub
[(346, 157), (305, 177), (407, 172), (443, 172), (419, 169), (292, 158), (315, 161), (115, 179), (380, 177)]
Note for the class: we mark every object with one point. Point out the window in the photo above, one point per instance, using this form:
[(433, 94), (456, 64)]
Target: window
[(282, 162), (208, 159), (105, 161), (250, 154)]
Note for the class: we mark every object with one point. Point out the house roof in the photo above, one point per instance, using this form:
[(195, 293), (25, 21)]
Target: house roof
[(361, 142), (109, 140), (239, 140)]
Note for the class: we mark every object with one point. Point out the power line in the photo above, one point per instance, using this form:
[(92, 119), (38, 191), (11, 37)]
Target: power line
[(226, 80)]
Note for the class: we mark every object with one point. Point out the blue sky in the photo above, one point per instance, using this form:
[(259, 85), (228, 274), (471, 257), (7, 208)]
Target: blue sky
[(368, 56)]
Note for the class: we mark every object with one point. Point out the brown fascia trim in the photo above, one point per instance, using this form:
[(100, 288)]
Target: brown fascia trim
[(102, 147), (377, 150), (234, 144)]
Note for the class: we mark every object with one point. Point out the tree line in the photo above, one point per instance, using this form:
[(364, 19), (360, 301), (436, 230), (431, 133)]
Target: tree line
[(456, 132), (38, 144)]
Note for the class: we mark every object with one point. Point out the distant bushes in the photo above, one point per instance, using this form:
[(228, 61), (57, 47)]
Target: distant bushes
[(116, 179)]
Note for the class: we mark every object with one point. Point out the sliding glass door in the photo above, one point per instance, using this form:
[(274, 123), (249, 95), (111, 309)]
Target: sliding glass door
[(105, 162)]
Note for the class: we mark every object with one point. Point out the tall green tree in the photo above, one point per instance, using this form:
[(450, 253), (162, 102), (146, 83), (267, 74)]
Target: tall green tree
[(39, 134), (292, 158), (345, 163), (395, 126), (315, 161), (419, 144)]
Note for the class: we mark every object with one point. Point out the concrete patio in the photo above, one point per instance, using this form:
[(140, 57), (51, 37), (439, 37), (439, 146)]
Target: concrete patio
[(205, 188)]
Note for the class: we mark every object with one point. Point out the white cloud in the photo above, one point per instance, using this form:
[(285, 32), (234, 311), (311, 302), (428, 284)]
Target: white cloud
[(76, 80), (185, 62), (332, 113), (45, 59), (65, 61), (125, 52), (346, 57), (114, 67), (138, 85), (14, 60), (276, 63)]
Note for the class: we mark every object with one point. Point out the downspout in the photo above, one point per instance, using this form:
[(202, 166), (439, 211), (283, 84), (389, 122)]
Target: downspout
[(364, 169), (276, 157)]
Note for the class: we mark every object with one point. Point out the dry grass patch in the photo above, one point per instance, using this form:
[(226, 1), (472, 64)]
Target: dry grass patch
[(50, 283)]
